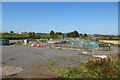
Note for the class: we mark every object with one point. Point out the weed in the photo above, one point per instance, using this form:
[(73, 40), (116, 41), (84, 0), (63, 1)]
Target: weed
[(52, 63), (102, 68), (62, 57)]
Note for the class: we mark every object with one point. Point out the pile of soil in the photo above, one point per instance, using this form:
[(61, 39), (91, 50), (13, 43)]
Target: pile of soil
[(11, 70)]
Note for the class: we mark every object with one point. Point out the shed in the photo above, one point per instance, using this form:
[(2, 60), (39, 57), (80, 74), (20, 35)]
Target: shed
[(4, 42)]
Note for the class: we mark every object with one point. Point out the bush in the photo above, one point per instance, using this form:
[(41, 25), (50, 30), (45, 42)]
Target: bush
[(94, 68)]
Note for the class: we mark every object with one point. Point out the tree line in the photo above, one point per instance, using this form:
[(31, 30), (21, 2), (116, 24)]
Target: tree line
[(32, 35), (52, 34)]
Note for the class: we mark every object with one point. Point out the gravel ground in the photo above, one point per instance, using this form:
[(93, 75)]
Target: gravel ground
[(26, 57)]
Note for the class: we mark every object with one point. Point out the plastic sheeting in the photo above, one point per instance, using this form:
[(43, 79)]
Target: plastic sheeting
[(93, 45)]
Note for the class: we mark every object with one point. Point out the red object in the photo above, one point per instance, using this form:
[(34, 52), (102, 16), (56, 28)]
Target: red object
[(42, 45), (39, 45), (34, 45)]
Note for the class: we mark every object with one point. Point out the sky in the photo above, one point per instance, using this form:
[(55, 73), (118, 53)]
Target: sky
[(85, 17), (60, 0)]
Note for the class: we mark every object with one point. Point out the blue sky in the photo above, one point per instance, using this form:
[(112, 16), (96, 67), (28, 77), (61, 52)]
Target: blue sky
[(85, 17)]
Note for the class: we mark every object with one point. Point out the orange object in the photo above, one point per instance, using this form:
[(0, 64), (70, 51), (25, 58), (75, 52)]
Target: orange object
[(37, 45)]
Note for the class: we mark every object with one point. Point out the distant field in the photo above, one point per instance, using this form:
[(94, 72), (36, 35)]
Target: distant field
[(111, 41)]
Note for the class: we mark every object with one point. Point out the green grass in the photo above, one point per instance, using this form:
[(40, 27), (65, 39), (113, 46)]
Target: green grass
[(62, 57), (52, 63), (75, 47)]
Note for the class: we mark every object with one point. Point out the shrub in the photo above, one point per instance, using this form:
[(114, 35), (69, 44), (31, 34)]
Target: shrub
[(94, 68)]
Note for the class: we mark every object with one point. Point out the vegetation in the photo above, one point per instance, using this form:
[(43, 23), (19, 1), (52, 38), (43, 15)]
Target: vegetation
[(95, 68), (62, 57), (32, 35), (52, 63), (107, 37), (73, 34), (54, 35)]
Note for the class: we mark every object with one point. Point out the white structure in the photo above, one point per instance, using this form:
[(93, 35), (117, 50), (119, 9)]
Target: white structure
[(25, 41), (100, 56)]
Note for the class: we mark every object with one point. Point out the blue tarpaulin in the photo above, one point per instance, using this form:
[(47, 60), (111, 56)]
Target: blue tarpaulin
[(93, 45)]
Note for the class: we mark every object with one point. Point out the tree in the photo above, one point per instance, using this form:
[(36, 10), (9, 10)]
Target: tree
[(45, 36), (52, 32), (38, 36), (76, 34), (11, 31), (73, 34), (58, 33), (69, 35), (82, 35), (31, 35), (85, 35)]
